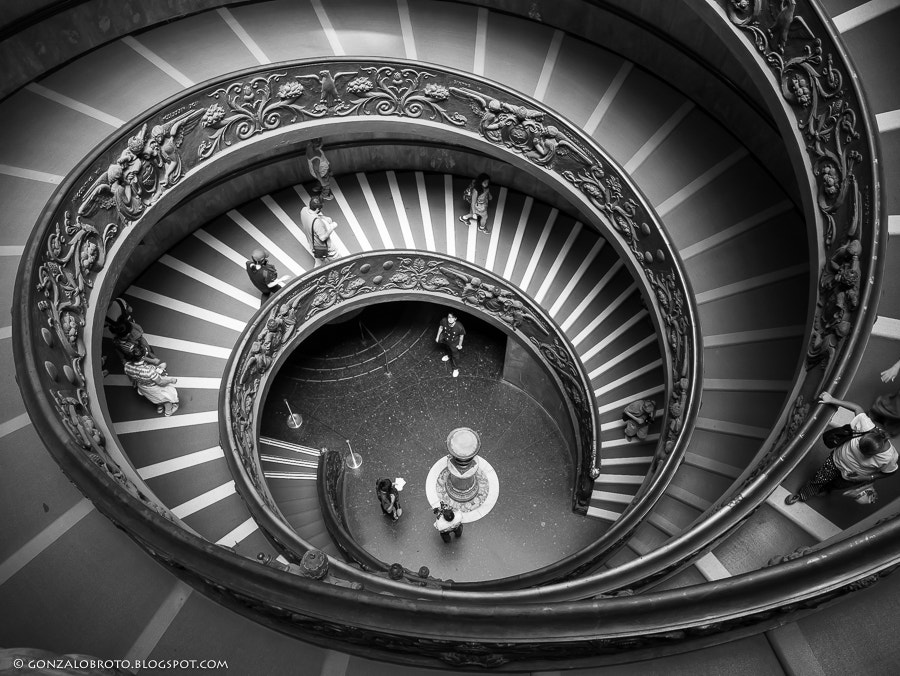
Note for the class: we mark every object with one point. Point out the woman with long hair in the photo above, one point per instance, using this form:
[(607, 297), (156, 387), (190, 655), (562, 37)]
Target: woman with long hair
[(478, 195)]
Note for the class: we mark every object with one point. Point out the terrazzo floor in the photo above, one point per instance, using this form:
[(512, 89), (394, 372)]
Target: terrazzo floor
[(398, 423)]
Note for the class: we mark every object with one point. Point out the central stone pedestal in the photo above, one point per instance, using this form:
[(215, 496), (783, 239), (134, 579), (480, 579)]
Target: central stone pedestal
[(465, 482)]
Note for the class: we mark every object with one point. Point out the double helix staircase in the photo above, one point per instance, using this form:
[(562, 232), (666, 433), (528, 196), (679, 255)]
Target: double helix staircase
[(740, 232)]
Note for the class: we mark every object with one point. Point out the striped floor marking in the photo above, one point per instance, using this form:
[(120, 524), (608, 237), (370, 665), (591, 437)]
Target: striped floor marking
[(864, 13), (449, 216), (295, 462), (538, 250), (244, 36), (166, 422), (633, 460), (622, 479), (619, 358), (471, 241), (624, 401), (738, 385), (159, 624), (12, 251), (710, 465), (728, 427), (575, 278), (40, 542), (495, 229), (350, 218), (330, 34), (339, 245), (187, 382), (266, 242), (658, 137), (296, 448), (77, 106), (239, 534), (610, 337), (550, 275), (894, 225), (158, 61), (888, 121), (540, 91), (757, 336), (409, 40), (480, 41), (663, 524), (222, 248), (608, 96), (204, 500), (212, 282), (5, 332), (605, 514), (293, 476), (610, 496), (187, 308), (30, 174), (592, 294), (408, 241), (711, 568), (751, 283), (628, 377), (426, 212), (375, 210), (290, 225), (183, 462), (617, 443), (743, 226), (688, 498), (701, 182), (517, 238), (335, 664), (885, 327), (803, 515), (165, 342), (603, 316), (14, 424)]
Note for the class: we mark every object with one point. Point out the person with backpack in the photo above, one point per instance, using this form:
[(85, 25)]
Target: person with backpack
[(318, 227), (861, 454)]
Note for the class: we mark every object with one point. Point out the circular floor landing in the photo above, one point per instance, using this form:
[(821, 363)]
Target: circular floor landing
[(399, 425)]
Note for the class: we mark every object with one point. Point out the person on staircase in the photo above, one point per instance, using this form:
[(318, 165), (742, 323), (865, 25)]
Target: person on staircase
[(263, 274), (478, 194), (885, 411), (318, 227), (128, 335), (152, 383), (866, 456)]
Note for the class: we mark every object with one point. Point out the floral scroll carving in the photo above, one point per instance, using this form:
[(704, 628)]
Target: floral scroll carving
[(828, 117)]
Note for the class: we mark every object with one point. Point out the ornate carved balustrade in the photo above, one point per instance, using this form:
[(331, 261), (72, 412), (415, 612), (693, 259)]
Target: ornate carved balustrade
[(364, 279), (102, 211)]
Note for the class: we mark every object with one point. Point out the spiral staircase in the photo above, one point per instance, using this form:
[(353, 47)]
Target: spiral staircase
[(710, 159)]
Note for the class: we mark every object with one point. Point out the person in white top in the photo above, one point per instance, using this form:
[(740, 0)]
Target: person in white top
[(867, 456), (318, 227), (448, 521)]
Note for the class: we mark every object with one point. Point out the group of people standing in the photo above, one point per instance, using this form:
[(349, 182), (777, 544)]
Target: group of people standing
[(448, 520)]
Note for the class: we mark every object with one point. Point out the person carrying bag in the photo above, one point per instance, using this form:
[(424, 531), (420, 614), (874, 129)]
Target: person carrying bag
[(862, 453)]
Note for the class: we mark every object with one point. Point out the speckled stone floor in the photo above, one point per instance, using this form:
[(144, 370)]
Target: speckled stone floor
[(399, 424)]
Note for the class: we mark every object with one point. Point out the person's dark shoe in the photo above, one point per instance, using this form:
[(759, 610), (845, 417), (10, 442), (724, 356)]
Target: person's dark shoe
[(793, 498)]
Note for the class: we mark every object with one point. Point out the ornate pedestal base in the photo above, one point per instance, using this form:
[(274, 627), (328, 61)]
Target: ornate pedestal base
[(466, 483)]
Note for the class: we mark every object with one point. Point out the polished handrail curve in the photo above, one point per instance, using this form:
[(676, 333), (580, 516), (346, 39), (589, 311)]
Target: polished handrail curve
[(304, 304), (118, 189)]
